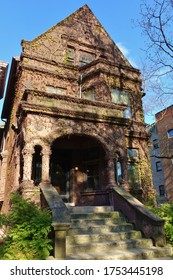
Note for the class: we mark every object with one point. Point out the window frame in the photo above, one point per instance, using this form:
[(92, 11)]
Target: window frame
[(155, 143), (162, 191), (158, 166)]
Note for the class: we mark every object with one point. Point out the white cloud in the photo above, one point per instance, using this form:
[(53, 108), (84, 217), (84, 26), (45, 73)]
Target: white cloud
[(126, 53)]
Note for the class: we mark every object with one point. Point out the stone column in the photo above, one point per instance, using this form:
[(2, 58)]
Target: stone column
[(27, 184), (46, 152), (27, 164), (124, 165), (60, 240), (110, 169)]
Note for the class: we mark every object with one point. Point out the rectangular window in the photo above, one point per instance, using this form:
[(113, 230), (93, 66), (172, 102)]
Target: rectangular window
[(158, 166), (155, 144), (70, 55), (85, 58), (89, 94), (132, 153), (119, 97), (161, 190), (56, 90)]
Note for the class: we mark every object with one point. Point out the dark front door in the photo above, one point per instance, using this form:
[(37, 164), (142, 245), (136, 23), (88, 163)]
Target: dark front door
[(77, 170)]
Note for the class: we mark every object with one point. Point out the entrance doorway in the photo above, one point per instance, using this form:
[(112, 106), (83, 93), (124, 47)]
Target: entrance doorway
[(77, 169)]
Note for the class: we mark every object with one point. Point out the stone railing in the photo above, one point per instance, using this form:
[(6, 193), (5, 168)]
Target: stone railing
[(61, 219), (136, 213)]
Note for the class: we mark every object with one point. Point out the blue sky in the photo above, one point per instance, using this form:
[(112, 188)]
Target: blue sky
[(27, 19)]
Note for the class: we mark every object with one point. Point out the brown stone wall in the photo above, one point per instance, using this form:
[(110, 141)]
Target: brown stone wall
[(41, 116)]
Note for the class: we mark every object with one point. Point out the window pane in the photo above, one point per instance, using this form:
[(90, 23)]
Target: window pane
[(85, 58), (89, 94), (161, 190), (119, 97), (56, 90), (70, 54), (118, 172), (158, 166), (155, 144), (115, 96), (132, 153), (127, 113), (170, 133)]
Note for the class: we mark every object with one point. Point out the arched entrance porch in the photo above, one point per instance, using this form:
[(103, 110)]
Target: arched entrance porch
[(78, 170)]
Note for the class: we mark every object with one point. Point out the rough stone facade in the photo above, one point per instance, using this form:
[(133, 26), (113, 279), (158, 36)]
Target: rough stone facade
[(74, 116)]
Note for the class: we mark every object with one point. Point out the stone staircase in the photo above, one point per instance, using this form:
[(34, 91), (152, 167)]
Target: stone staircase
[(99, 233)]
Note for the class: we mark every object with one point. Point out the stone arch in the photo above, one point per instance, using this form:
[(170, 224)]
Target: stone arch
[(67, 133), (79, 164)]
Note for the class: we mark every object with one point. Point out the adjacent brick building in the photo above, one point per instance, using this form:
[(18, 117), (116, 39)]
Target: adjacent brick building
[(164, 123), (74, 117), (156, 164)]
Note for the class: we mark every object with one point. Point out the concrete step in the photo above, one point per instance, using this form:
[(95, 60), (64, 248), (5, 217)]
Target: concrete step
[(99, 233), (99, 215), (108, 246), (94, 221), (90, 209), (129, 254), (99, 229), (113, 236)]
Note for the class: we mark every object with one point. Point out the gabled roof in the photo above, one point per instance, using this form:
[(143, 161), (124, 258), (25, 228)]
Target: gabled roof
[(82, 25)]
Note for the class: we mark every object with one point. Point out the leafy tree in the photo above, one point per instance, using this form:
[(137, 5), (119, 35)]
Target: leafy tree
[(165, 211), (27, 231)]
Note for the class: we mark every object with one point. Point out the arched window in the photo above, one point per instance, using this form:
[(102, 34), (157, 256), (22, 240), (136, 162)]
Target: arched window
[(118, 170), (37, 165)]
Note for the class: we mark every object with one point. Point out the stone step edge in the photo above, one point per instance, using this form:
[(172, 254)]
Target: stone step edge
[(111, 234), (90, 209), (113, 242), (130, 254), (101, 226)]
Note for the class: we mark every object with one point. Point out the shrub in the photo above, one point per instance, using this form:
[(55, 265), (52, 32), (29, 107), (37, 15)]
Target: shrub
[(27, 231), (165, 211)]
